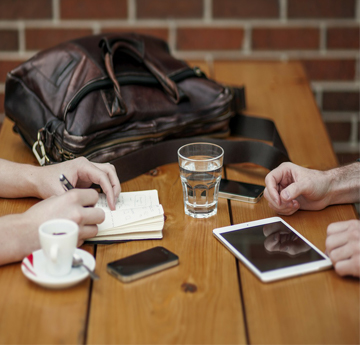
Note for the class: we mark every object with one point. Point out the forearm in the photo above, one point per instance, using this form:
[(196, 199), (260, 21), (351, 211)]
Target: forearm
[(17, 238), (345, 184), (18, 180)]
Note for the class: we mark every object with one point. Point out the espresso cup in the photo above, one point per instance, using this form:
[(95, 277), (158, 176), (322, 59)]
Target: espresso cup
[(58, 239)]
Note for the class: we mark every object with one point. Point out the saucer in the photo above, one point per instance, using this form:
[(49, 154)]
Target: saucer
[(33, 267)]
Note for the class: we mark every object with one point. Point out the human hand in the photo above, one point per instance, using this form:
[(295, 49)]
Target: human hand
[(19, 232), (74, 205), (281, 239), (343, 247), (82, 174), (290, 187)]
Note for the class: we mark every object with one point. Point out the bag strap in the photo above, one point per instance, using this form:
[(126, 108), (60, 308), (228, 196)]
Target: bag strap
[(257, 152)]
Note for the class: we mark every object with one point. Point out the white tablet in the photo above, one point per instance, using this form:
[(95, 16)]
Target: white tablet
[(272, 249)]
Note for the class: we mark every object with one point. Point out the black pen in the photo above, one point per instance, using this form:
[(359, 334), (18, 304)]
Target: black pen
[(65, 183)]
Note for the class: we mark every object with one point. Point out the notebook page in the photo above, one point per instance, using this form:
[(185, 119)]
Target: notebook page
[(125, 216), (128, 200)]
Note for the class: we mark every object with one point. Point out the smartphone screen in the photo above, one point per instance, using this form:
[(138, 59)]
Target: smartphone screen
[(142, 264), (241, 191)]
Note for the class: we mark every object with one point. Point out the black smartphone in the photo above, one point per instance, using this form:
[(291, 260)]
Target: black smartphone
[(142, 264), (240, 191)]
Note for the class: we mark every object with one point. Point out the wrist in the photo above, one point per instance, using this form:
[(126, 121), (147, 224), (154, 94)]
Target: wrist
[(35, 182), (344, 184), (41, 183), (19, 238)]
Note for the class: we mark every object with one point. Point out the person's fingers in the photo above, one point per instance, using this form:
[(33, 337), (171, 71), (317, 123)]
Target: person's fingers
[(105, 176), (87, 231), (348, 267), (285, 209), (340, 233), (272, 202), (292, 191), (272, 196), (113, 176), (335, 241), (343, 247), (81, 212), (277, 182), (271, 191), (343, 252), (342, 226), (84, 197), (93, 215)]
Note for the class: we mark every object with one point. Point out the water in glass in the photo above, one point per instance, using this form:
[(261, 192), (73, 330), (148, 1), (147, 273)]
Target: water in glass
[(200, 183)]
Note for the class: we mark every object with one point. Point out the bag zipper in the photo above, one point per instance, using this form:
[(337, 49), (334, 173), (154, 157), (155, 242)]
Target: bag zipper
[(67, 155), (105, 82)]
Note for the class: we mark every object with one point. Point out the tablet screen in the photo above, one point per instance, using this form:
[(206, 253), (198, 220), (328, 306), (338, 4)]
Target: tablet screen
[(271, 246)]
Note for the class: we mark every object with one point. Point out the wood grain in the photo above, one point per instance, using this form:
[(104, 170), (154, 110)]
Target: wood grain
[(280, 91), (201, 301), (159, 309), (163, 307), (31, 314), (319, 308)]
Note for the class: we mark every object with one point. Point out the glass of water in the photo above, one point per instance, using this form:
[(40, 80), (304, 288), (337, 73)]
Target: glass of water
[(200, 172)]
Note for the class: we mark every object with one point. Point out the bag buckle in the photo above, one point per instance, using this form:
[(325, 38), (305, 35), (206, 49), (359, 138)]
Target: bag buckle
[(39, 150)]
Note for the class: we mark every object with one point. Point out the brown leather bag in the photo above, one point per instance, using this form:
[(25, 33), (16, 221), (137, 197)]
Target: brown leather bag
[(107, 96)]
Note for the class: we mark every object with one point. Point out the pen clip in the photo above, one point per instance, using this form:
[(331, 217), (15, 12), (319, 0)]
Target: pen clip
[(65, 183)]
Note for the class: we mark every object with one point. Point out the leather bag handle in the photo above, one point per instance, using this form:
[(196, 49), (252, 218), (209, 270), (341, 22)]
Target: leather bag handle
[(135, 49)]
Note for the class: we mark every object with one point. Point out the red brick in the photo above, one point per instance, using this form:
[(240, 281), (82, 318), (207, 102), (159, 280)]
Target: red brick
[(25, 9), (330, 69), (2, 99), (169, 9), (209, 39), (321, 8), (6, 66), (157, 32), (285, 38), (341, 101), (9, 40), (343, 38), (38, 39), (93, 9), (245, 9), (339, 131)]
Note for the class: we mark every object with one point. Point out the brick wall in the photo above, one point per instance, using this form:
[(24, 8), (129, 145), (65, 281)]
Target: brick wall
[(322, 34)]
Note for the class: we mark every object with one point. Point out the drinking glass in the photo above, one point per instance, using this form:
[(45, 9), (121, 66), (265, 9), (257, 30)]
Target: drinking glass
[(200, 172)]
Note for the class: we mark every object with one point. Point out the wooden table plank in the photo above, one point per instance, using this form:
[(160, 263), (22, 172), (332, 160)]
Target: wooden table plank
[(318, 308), (158, 309), (162, 309), (281, 91), (313, 309), (31, 314)]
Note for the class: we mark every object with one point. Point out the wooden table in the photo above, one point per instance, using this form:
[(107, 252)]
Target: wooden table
[(210, 297)]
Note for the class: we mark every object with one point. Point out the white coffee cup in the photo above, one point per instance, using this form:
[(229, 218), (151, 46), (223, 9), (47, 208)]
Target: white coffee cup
[(58, 239)]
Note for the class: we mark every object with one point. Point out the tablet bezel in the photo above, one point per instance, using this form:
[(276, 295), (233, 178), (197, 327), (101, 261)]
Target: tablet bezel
[(280, 273)]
